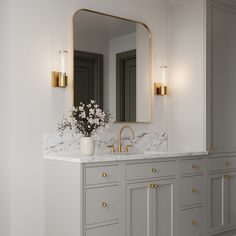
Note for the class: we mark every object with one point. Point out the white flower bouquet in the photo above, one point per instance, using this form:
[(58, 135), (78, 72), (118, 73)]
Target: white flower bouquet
[(85, 119)]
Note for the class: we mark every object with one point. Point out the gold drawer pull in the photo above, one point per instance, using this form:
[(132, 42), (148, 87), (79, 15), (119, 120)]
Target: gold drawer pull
[(153, 170), (194, 222), (226, 176), (194, 166), (104, 174), (153, 185), (103, 204), (194, 190), (227, 163)]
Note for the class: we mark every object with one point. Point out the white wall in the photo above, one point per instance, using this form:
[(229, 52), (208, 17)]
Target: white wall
[(186, 63), (4, 160), (39, 29)]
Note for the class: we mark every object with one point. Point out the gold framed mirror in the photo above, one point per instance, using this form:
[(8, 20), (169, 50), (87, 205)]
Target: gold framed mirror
[(112, 65)]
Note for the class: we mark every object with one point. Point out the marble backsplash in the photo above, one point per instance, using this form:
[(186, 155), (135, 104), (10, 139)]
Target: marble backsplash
[(69, 143)]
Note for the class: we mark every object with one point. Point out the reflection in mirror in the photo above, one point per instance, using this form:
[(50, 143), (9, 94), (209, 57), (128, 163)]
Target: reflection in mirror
[(112, 65)]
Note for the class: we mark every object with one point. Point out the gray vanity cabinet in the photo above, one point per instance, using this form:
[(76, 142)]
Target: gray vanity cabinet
[(156, 197), (150, 208)]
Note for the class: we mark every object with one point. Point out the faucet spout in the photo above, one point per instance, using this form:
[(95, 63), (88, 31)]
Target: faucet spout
[(120, 136)]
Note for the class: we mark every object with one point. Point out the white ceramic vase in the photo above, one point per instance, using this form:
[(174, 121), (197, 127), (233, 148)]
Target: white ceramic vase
[(87, 146)]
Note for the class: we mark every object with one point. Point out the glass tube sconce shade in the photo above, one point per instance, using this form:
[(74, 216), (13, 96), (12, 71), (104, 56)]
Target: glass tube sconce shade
[(160, 88), (59, 78)]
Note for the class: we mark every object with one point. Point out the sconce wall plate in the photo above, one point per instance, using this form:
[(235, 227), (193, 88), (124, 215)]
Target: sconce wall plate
[(160, 89), (59, 80)]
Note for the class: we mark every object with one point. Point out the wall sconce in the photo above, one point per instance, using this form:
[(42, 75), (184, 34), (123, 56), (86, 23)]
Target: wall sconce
[(59, 79), (161, 88)]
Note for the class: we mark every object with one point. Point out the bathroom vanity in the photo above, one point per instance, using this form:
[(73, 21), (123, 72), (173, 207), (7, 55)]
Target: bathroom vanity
[(148, 194), (140, 195)]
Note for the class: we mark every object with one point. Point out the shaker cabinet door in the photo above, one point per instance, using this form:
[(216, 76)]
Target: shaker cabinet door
[(151, 208), (231, 198), (139, 212), (221, 82), (217, 194), (164, 208)]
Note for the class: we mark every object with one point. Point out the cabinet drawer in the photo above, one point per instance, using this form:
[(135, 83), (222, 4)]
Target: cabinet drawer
[(101, 175), (150, 170), (103, 231), (101, 204), (192, 166), (222, 163), (192, 222), (192, 190)]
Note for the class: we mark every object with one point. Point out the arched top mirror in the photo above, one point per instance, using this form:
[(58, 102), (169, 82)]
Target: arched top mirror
[(112, 65)]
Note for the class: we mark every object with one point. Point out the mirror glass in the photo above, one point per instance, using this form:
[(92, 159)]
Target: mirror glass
[(112, 65)]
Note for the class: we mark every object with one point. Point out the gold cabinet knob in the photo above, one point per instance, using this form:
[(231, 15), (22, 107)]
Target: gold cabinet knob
[(104, 174), (194, 222), (210, 148), (153, 185), (194, 166), (153, 170), (104, 204), (194, 190), (227, 163), (226, 176)]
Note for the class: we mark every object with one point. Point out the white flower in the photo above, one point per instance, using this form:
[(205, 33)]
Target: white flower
[(96, 106), (92, 101), (96, 121), (89, 105), (91, 111), (90, 120), (81, 108), (82, 115), (98, 112)]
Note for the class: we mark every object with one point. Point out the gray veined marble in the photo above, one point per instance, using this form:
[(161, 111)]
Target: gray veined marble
[(69, 143)]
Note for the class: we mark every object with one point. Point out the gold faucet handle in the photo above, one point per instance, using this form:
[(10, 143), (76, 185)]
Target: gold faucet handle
[(112, 147), (128, 147)]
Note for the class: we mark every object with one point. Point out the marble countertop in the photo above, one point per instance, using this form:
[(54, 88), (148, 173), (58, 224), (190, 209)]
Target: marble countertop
[(70, 157)]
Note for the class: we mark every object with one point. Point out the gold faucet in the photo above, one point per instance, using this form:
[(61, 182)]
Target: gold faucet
[(120, 138)]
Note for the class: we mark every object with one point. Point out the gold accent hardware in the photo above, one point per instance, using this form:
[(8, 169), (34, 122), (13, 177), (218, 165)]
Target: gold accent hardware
[(103, 204), (153, 185), (59, 80), (194, 166), (226, 176), (120, 136), (160, 89), (194, 222), (153, 170), (127, 148), (194, 190), (104, 174), (112, 147), (227, 163), (210, 148)]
